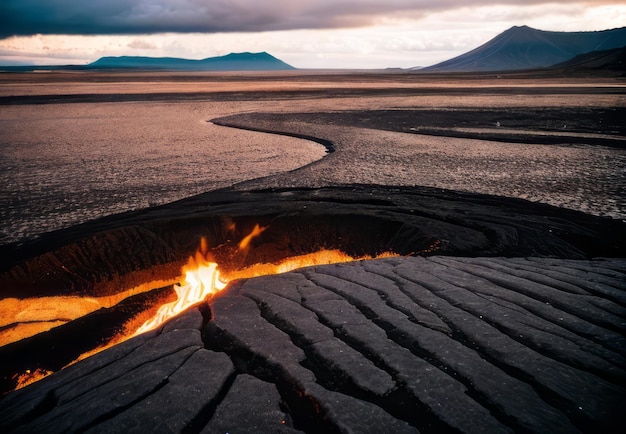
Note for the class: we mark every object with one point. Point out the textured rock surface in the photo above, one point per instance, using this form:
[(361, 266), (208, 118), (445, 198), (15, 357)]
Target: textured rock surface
[(394, 345), (115, 253), (149, 247)]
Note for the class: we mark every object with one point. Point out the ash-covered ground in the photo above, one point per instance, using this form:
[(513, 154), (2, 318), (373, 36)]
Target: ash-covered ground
[(81, 146), (505, 313)]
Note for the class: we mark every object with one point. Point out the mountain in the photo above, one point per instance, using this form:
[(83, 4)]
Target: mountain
[(526, 48), (606, 60), (231, 62)]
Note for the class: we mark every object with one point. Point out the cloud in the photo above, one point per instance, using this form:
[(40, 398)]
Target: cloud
[(102, 17), (139, 44), (394, 37)]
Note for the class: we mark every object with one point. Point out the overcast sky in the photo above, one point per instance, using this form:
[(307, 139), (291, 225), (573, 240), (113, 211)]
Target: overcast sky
[(304, 33)]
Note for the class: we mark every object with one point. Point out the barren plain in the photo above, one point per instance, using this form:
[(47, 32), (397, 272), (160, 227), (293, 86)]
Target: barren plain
[(503, 197), (77, 146)]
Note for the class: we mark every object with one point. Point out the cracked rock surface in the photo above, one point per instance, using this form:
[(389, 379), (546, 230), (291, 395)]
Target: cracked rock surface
[(437, 344)]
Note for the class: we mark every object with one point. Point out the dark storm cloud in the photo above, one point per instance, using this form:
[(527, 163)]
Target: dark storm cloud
[(90, 17)]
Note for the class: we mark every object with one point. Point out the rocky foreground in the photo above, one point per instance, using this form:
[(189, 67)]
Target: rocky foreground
[(477, 327), (392, 345)]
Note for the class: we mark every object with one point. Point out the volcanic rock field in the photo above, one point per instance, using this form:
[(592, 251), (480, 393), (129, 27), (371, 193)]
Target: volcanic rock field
[(503, 309)]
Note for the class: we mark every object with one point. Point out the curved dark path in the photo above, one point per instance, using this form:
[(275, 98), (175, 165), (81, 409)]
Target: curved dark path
[(571, 157), (539, 125)]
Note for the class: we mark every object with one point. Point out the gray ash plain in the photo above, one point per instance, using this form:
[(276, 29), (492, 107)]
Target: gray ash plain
[(506, 312)]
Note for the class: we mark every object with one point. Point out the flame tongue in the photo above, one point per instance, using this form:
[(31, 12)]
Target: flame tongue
[(202, 278), (258, 230)]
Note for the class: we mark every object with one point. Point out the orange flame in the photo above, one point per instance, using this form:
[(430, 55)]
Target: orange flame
[(201, 278), (258, 230)]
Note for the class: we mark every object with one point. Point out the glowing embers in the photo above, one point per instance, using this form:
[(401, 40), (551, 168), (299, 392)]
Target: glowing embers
[(29, 377), (23, 318), (321, 257), (200, 279)]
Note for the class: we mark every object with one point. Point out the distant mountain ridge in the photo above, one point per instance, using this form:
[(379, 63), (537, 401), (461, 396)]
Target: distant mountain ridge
[(609, 60), (230, 62), (523, 47)]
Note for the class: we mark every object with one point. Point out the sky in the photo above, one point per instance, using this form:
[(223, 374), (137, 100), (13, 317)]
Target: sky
[(352, 34)]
